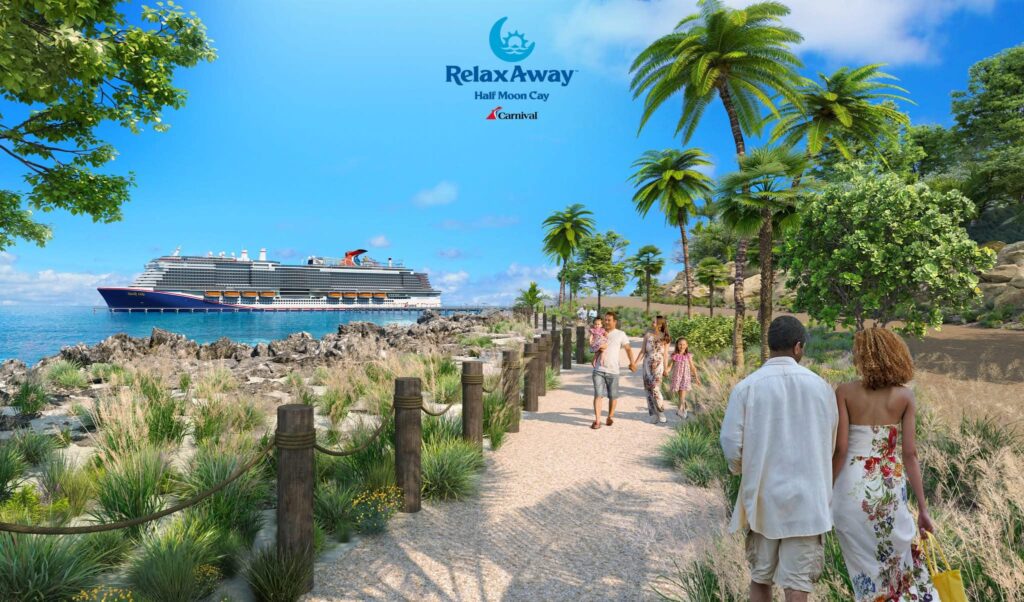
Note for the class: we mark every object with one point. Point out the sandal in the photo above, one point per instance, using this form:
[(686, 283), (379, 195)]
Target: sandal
[(609, 422), (596, 425)]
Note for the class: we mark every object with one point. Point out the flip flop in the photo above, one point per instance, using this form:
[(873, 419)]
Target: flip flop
[(596, 425), (609, 422)]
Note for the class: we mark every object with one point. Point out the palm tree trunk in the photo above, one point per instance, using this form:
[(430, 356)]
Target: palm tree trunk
[(767, 279), (686, 264), (561, 282), (711, 300), (741, 245), (647, 289)]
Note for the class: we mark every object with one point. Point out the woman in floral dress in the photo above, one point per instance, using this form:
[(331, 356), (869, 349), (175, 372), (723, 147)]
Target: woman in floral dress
[(871, 468), (653, 351)]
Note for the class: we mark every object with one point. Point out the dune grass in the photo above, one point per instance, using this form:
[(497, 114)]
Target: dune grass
[(67, 374), (41, 567), (30, 399)]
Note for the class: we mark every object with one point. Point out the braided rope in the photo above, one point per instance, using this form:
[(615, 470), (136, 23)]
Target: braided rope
[(440, 413), (124, 524), (348, 452)]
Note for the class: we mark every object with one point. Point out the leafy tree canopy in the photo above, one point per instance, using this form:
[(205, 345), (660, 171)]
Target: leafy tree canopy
[(65, 69), (602, 263), (876, 248)]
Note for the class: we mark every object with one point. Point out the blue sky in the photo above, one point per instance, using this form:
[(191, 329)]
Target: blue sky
[(326, 126)]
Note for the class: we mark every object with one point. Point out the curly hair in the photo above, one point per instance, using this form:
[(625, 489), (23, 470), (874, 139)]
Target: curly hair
[(882, 359)]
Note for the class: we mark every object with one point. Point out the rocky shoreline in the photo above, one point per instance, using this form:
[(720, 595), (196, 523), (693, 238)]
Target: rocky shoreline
[(262, 370)]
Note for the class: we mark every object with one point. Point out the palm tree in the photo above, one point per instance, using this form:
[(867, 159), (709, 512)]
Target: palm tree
[(646, 263), (565, 230), (842, 107), (712, 274), (764, 191), (531, 298), (741, 55), (671, 178)]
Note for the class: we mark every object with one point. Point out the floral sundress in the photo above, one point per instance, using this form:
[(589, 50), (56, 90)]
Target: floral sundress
[(654, 371), (682, 380), (873, 521)]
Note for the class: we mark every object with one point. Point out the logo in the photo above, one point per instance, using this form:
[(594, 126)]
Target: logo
[(511, 48), (494, 113), (497, 114)]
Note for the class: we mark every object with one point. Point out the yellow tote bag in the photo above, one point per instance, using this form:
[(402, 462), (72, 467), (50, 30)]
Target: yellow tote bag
[(949, 584)]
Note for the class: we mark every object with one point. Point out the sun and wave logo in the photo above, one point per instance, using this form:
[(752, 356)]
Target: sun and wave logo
[(511, 48)]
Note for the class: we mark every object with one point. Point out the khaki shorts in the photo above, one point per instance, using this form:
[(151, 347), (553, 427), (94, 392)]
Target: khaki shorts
[(791, 563)]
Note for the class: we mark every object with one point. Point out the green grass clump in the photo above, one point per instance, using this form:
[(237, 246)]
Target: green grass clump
[(178, 564), (446, 387), (44, 567), (274, 579), (184, 381), (30, 399), (332, 508), (112, 546), (105, 372), (551, 379), (370, 468), (164, 414), (12, 469), (238, 507), (131, 487), (34, 447), (67, 374), (498, 417), (476, 341), (440, 428), (451, 469), (210, 421)]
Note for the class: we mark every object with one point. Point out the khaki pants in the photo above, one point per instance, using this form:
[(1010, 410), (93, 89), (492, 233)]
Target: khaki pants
[(792, 563)]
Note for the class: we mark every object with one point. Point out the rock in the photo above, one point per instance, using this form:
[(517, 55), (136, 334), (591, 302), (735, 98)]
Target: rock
[(1011, 298), (224, 349), (428, 316), (1012, 253), (1018, 281), (169, 343), (1001, 273), (989, 292)]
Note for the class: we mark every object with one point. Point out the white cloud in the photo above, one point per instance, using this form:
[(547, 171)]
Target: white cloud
[(447, 282), (442, 194), (607, 35), (380, 241), (452, 253), (487, 221), (500, 288), (51, 286)]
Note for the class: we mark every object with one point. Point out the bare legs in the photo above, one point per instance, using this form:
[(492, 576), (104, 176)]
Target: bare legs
[(598, 403), (682, 404), (760, 592)]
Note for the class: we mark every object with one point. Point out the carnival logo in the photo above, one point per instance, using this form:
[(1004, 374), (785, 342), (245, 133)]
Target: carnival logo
[(497, 114), (511, 48), (494, 113)]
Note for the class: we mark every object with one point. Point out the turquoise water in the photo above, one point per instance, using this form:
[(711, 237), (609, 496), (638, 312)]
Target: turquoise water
[(30, 333)]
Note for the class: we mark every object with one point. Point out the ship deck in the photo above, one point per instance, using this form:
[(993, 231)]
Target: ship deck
[(396, 311)]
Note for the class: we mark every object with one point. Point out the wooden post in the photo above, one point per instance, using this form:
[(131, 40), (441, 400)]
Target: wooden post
[(530, 385), (542, 364), (510, 386), (473, 402), (566, 348), (535, 318), (580, 338), (545, 319), (295, 438), (556, 350), (408, 441)]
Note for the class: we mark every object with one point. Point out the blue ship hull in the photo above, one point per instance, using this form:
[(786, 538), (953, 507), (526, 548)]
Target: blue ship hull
[(130, 298)]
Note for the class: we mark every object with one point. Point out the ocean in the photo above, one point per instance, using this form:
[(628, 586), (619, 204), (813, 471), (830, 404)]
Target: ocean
[(30, 333)]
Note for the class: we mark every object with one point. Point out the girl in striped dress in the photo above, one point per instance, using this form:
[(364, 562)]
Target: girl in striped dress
[(684, 372)]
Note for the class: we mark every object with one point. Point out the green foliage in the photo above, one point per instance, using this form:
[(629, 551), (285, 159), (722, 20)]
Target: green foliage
[(476, 341), (602, 264), (178, 564), (498, 417), (373, 508), (238, 507), (564, 232), (531, 297), (67, 374), (105, 372), (646, 264), (105, 593), (184, 381), (12, 469), (131, 487), (30, 399), (40, 568), (274, 579), (112, 546), (332, 508), (551, 379), (164, 414), (34, 447), (440, 428), (451, 469), (65, 63), (708, 336), (876, 248), (445, 387)]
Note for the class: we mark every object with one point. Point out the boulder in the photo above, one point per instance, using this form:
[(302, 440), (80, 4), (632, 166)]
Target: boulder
[(1012, 298), (1011, 254), (169, 343), (1001, 273), (989, 292), (1018, 281)]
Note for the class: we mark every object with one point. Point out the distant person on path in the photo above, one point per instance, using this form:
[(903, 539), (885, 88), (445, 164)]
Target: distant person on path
[(684, 372), (654, 350), (598, 339), (592, 313), (606, 376), (581, 314), (869, 503), (779, 434)]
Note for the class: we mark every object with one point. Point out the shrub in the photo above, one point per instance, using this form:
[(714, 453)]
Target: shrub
[(164, 417), (184, 381), (332, 508), (446, 387), (218, 380), (61, 480), (236, 508), (450, 469), (44, 567), (498, 418), (274, 579), (104, 372), (372, 509), (476, 341), (440, 428), (12, 468), (131, 486), (710, 335), (67, 374), (175, 565), (34, 447), (370, 468), (246, 416), (30, 399), (209, 421), (551, 379), (104, 593), (123, 427), (113, 546)]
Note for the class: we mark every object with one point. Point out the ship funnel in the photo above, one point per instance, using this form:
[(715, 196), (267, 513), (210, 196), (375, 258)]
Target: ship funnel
[(209, 253), (177, 252), (389, 262), (263, 254), (221, 254)]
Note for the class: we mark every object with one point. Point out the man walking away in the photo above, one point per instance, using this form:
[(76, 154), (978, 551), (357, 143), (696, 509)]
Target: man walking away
[(779, 434), (606, 372)]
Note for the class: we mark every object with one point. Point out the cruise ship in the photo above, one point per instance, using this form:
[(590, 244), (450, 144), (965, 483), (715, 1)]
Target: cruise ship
[(229, 283)]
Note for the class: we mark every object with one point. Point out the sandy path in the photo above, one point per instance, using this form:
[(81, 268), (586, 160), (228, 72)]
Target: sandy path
[(564, 513)]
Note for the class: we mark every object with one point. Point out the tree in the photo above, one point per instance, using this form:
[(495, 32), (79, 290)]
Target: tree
[(765, 190), (646, 263), (602, 263), (574, 277), (565, 230), (531, 298), (743, 57), (672, 180), (72, 66), (876, 248), (712, 274)]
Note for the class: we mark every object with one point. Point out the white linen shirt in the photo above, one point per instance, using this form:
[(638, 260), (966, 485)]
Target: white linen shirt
[(779, 433)]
